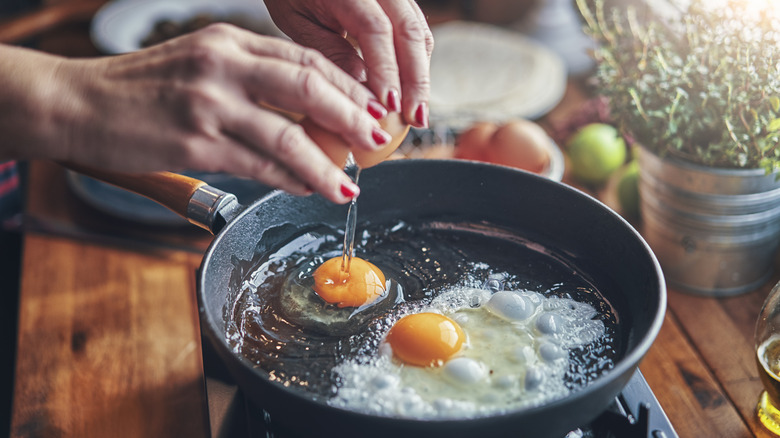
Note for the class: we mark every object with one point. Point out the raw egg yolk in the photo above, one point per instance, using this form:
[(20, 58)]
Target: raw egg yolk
[(425, 339), (362, 284)]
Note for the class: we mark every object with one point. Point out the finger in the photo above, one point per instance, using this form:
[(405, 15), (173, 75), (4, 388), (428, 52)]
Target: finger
[(306, 90), (225, 153), (336, 44), (413, 44), (373, 30), (332, 44), (275, 136)]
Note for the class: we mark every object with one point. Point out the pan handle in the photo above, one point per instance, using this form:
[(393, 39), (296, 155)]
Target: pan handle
[(203, 205)]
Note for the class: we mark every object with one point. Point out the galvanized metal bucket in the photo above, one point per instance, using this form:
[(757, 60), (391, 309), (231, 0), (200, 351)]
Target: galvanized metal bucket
[(715, 231)]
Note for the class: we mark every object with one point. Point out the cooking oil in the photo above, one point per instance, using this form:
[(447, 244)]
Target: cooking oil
[(768, 357)]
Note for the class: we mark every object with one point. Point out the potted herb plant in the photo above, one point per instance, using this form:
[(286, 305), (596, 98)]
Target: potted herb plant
[(699, 92)]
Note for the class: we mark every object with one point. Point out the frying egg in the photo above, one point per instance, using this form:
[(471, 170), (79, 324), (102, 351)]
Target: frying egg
[(501, 350), (425, 339), (361, 284)]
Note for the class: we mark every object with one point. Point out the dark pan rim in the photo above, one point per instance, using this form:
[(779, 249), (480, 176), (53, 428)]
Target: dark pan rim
[(625, 365)]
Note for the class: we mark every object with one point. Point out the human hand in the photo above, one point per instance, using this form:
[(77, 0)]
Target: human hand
[(192, 103), (393, 36)]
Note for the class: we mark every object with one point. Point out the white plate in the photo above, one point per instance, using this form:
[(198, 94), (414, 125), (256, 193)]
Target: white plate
[(121, 25), (485, 73)]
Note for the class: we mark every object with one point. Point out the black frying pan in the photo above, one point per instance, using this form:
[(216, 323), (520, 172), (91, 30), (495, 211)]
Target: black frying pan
[(589, 235)]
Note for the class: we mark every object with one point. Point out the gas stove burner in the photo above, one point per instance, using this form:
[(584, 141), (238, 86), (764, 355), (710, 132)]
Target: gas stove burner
[(635, 413)]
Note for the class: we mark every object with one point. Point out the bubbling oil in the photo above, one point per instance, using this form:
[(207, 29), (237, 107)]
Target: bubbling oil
[(768, 361), (278, 323)]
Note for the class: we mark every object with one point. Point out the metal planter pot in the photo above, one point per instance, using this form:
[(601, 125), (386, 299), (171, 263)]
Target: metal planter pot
[(714, 231)]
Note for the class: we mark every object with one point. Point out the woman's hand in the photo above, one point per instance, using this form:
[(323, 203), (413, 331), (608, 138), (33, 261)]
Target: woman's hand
[(190, 103), (393, 37)]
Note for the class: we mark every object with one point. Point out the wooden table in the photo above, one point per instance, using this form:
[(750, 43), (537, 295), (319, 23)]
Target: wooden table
[(109, 341)]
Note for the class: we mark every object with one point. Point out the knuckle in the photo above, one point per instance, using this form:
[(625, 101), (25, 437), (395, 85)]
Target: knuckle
[(376, 24), (289, 141), (310, 83), (311, 58), (219, 30), (356, 118), (429, 41), (203, 58), (412, 30), (262, 166), (208, 50)]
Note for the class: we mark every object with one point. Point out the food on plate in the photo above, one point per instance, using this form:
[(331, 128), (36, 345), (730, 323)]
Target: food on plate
[(356, 285), (518, 143), (596, 151), (337, 149)]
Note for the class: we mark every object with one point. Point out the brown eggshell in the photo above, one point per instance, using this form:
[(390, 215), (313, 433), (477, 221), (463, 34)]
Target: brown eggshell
[(522, 144), (473, 142), (337, 149), (394, 125)]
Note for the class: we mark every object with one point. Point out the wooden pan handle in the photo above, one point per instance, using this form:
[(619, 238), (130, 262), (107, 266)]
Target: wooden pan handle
[(25, 26), (172, 190)]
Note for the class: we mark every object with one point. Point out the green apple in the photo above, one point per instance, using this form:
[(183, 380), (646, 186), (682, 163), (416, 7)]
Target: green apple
[(595, 152), (628, 189)]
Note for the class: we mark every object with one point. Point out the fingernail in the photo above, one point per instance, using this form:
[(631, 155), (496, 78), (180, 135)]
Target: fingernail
[(421, 115), (380, 137), (393, 100), (350, 190), (376, 109)]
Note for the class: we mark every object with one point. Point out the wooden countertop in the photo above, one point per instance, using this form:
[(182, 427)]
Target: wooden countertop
[(109, 341)]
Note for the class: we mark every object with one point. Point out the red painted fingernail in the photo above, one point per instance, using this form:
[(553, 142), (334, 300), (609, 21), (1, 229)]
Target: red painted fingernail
[(379, 136), (421, 115), (376, 109), (349, 190), (393, 101)]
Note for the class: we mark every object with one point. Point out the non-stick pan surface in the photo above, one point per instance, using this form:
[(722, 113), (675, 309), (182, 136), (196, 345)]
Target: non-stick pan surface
[(591, 237)]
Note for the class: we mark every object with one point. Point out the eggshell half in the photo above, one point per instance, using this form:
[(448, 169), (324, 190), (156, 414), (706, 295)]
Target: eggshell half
[(337, 149)]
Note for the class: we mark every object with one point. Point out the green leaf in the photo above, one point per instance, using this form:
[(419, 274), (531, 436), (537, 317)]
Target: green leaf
[(775, 102)]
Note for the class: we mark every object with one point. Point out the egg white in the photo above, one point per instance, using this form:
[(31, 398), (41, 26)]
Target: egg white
[(516, 354)]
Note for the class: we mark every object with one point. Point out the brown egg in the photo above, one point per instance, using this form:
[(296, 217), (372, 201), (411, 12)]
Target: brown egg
[(439, 151), (520, 143), (337, 149), (472, 143)]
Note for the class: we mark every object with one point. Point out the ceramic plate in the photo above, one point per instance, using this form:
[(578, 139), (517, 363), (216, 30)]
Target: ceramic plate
[(121, 25), (482, 72)]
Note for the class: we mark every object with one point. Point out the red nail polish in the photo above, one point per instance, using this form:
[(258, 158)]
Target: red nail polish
[(379, 136), (349, 190), (421, 115), (376, 109), (393, 101)]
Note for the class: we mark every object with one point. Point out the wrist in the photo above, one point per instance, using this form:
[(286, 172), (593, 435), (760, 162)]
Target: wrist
[(35, 120)]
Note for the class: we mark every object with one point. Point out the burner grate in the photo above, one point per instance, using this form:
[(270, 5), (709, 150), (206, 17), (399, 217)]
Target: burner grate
[(635, 413)]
